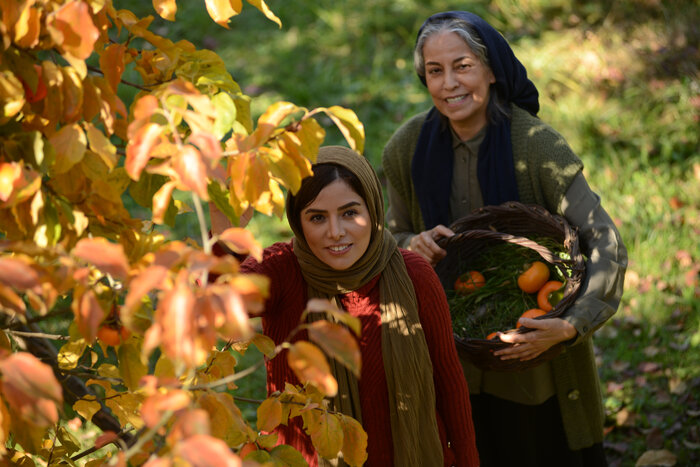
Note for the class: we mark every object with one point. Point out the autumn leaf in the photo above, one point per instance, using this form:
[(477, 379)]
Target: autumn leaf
[(88, 314), (310, 365), (222, 10), (71, 27), (112, 63), (326, 434), (207, 451), (349, 125), (138, 151), (260, 5), (192, 171), (18, 273), (269, 414), (188, 423), (241, 241), (106, 256), (69, 143), (354, 441), (155, 406), (337, 342), (166, 8)]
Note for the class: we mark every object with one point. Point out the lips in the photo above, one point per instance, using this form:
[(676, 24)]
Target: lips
[(339, 249)]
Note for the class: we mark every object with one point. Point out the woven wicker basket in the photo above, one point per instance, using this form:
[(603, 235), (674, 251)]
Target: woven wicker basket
[(510, 222)]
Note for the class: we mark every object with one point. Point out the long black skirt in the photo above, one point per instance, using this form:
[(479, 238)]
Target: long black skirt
[(509, 434)]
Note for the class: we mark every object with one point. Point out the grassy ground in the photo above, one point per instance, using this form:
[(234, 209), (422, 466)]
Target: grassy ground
[(619, 80)]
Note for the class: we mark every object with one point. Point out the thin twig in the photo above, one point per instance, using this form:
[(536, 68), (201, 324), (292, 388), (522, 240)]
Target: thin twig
[(38, 335)]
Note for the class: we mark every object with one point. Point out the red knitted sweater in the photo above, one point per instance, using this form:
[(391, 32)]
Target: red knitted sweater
[(288, 298)]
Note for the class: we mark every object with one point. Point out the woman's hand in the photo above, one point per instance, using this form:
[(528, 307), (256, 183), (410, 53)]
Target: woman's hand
[(548, 332), (424, 243)]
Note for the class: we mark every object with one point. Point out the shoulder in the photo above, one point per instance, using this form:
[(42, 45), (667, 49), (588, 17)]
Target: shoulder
[(405, 135), (525, 126), (419, 270), (276, 256)]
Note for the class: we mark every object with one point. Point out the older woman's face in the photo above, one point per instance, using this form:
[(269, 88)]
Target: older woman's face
[(337, 225), (458, 82)]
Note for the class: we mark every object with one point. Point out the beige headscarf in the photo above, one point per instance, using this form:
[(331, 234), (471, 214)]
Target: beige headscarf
[(407, 364)]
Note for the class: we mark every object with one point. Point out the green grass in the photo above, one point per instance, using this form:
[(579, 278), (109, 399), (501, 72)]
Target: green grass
[(619, 80)]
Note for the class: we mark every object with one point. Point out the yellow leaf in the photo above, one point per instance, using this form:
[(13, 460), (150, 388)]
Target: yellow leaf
[(227, 421), (222, 10), (27, 27), (102, 146), (260, 5), (310, 366), (131, 368), (11, 95), (69, 143), (354, 441), (269, 414), (72, 88), (87, 408), (270, 120), (350, 126), (282, 167), (326, 435), (125, 406), (70, 353), (165, 8)]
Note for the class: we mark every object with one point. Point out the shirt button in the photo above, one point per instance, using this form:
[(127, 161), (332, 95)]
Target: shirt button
[(574, 395)]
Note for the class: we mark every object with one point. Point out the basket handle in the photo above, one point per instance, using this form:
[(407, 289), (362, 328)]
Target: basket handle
[(544, 252)]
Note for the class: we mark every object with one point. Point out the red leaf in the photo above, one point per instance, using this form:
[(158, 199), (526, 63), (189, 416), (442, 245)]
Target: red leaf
[(88, 314), (105, 438), (150, 278), (242, 241), (25, 372), (106, 256)]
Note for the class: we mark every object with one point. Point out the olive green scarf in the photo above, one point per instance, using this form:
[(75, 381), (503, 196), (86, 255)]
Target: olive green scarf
[(405, 353)]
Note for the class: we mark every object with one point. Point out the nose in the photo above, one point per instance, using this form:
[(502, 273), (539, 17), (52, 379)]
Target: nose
[(335, 228), (450, 81)]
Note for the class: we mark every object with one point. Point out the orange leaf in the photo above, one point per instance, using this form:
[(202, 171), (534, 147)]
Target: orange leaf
[(310, 365), (191, 169), (175, 316), (138, 151), (31, 389), (165, 8), (17, 273), (105, 438), (156, 405), (207, 451), (88, 315), (190, 422), (222, 10), (161, 200), (72, 87), (269, 121), (231, 307), (269, 414), (354, 441), (72, 28), (27, 27), (150, 278), (10, 176), (242, 241), (10, 300), (260, 5), (108, 257), (112, 64), (337, 342)]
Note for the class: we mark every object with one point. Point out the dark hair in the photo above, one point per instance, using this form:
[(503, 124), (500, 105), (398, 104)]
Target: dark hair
[(324, 174), (497, 106)]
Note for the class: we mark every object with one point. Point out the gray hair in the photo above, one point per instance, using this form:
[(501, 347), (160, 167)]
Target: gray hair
[(497, 107)]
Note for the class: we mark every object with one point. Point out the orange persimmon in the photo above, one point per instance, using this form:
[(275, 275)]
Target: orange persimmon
[(534, 277), (531, 313), (549, 295), (469, 282)]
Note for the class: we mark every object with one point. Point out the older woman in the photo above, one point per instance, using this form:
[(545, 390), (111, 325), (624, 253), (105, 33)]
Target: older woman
[(482, 144)]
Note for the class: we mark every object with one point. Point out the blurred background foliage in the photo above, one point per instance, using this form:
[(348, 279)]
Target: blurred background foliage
[(619, 79)]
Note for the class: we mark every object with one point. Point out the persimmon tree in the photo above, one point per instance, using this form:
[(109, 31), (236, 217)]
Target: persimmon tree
[(147, 354)]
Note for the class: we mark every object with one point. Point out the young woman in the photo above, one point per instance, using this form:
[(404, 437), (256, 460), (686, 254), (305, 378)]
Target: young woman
[(482, 144), (413, 398)]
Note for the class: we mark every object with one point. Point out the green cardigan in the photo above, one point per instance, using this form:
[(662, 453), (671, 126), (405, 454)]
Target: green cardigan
[(545, 167)]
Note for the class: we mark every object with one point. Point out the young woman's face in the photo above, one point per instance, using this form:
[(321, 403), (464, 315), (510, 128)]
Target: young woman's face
[(457, 81), (337, 225)]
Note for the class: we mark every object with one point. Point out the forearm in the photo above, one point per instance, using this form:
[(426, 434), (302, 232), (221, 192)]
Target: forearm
[(606, 259)]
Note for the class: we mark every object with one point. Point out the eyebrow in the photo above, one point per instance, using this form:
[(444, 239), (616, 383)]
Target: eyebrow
[(459, 59), (344, 206)]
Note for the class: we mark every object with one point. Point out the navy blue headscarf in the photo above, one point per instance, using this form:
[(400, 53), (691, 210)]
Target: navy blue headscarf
[(431, 168)]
